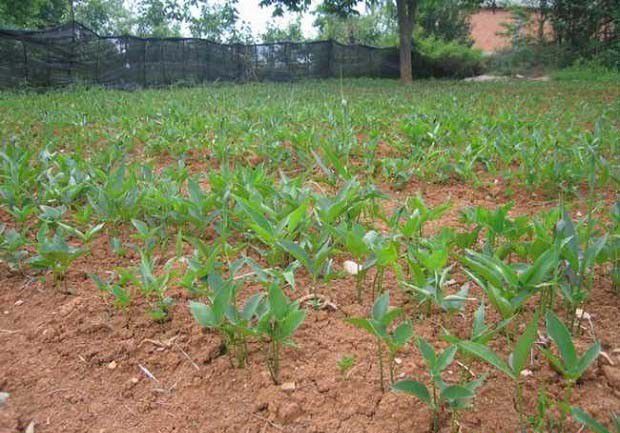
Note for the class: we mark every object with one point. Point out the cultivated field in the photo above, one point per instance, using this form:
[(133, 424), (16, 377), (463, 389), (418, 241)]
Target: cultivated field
[(326, 256)]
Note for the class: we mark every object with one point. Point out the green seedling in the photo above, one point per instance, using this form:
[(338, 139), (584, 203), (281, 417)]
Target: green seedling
[(540, 422), (272, 231), (352, 239), (345, 364), (54, 254), (508, 286), (577, 263), (87, 236), (149, 236), (203, 262), (498, 226), (121, 296), (117, 198), (460, 239), (440, 396), (380, 325), (416, 215), (481, 333), (83, 215), (234, 325), (117, 248), (12, 251), (612, 252), (429, 279), (22, 214), (65, 180), (384, 254), (568, 363), (155, 287), (316, 261), (200, 207), (278, 320), (52, 215), (593, 425), (397, 171), (19, 175), (346, 206), (516, 363)]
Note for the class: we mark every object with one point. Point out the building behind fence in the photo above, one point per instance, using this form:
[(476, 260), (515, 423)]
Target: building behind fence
[(72, 53)]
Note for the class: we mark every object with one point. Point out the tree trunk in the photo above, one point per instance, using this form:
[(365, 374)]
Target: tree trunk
[(406, 10)]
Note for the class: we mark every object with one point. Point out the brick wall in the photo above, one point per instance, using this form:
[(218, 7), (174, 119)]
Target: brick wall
[(486, 24)]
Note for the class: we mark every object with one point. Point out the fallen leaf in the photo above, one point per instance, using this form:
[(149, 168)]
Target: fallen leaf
[(581, 314), (606, 357)]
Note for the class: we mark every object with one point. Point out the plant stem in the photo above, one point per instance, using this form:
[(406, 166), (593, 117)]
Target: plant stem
[(519, 404), (455, 425), (435, 420), (566, 404), (380, 356), (359, 280), (276, 361)]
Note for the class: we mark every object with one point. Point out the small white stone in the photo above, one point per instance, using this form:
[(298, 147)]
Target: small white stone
[(351, 267), (288, 386), (18, 303)]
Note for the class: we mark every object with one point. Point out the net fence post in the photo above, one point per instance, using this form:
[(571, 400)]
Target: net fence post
[(163, 61), (49, 67), (256, 57), (72, 51), (26, 62), (205, 64), (97, 56), (144, 47), (287, 51), (184, 61), (330, 60), (240, 60)]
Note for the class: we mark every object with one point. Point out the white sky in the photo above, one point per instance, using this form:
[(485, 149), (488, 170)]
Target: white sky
[(258, 17)]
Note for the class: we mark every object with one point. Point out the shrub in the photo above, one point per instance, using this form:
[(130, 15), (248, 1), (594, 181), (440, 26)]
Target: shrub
[(587, 71), (600, 65), (437, 58), (529, 57)]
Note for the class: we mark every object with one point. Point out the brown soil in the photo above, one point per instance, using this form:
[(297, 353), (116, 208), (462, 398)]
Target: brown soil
[(72, 363)]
